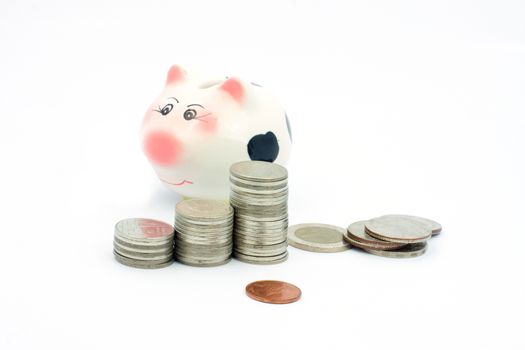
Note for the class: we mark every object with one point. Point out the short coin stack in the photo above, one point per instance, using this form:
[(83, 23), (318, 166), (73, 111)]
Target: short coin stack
[(393, 236), (143, 243), (259, 195), (203, 232)]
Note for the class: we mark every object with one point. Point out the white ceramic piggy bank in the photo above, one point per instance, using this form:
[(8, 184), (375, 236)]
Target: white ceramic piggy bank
[(197, 128)]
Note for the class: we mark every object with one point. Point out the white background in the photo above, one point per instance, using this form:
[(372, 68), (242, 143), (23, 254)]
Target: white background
[(412, 107)]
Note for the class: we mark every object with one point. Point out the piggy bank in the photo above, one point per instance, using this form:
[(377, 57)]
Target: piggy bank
[(199, 126)]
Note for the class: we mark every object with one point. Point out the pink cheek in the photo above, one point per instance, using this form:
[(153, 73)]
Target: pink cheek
[(208, 124), (162, 148)]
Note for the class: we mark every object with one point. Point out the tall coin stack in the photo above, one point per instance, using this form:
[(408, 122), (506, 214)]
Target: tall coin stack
[(259, 195), (203, 232), (143, 243)]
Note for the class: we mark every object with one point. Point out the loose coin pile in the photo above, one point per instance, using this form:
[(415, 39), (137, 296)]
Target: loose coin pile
[(259, 195), (394, 236), (143, 243), (203, 232), (318, 238)]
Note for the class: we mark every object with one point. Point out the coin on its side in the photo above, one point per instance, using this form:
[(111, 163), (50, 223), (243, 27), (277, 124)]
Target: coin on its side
[(434, 225), (260, 260), (408, 251), (273, 292), (398, 230), (318, 238), (355, 234), (143, 264)]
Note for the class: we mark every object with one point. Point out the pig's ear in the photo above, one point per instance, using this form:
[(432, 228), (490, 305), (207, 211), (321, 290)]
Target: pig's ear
[(234, 88), (175, 74)]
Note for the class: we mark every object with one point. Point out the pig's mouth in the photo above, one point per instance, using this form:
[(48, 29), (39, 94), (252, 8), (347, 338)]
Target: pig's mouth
[(182, 183)]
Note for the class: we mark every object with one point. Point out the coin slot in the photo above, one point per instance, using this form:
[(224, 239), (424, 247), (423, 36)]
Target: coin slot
[(209, 84)]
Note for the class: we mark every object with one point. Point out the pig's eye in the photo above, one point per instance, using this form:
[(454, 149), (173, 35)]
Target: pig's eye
[(166, 109), (190, 114)]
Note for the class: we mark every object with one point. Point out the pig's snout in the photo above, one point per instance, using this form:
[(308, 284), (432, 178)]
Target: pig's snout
[(162, 148)]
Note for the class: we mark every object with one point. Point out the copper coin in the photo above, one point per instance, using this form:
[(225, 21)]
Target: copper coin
[(273, 292)]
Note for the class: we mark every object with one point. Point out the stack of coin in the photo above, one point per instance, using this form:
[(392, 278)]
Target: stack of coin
[(203, 232), (394, 236), (143, 243), (259, 195)]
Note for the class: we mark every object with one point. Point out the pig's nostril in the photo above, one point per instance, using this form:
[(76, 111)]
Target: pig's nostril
[(162, 148)]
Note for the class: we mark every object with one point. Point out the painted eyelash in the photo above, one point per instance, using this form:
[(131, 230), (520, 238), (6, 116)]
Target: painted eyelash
[(202, 116)]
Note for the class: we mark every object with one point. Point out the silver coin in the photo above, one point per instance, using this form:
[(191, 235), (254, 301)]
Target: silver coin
[(239, 245), (259, 195), (227, 231), (319, 238), (141, 263), (261, 252), (185, 236), (201, 263), (258, 261), (260, 201), (140, 229), (262, 224), (239, 242), (257, 191), (258, 171), (260, 210), (434, 226), (209, 244), (356, 235), (271, 185), (179, 219), (239, 215), (281, 245), (195, 243), (150, 246), (398, 230), (241, 238), (203, 227), (409, 251), (262, 239), (261, 230), (204, 209), (216, 223), (259, 234), (117, 245), (206, 249), (249, 203), (203, 235), (260, 215), (143, 256), (202, 257)]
